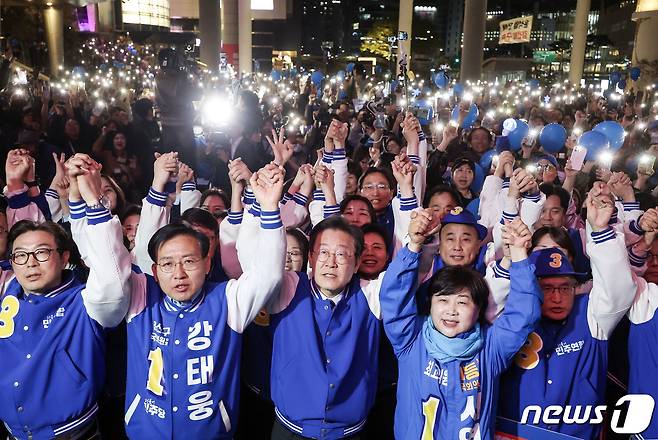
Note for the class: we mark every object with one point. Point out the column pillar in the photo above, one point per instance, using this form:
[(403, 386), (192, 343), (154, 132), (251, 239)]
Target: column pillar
[(475, 22), (53, 18), (645, 49), (245, 42), (579, 42), (209, 30)]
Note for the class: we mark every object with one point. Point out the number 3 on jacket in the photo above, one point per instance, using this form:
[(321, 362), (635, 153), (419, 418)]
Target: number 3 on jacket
[(528, 356), (430, 406), (9, 310), (154, 383)]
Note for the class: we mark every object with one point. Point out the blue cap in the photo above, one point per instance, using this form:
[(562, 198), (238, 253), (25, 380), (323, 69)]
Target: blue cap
[(550, 158), (552, 262), (462, 216)]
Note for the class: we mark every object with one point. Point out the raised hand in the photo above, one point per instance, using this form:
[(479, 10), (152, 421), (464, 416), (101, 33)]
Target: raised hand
[(622, 186), (517, 238), (61, 181), (339, 133), (410, 128), (423, 224), (324, 177), (267, 185), (88, 177), (281, 148), (185, 174), (17, 167), (599, 206), (164, 168), (238, 171), (403, 171), (649, 221)]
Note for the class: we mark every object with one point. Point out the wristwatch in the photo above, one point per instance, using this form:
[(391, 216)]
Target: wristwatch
[(103, 201)]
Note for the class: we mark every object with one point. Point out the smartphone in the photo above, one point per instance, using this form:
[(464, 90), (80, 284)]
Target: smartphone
[(578, 157), (535, 170), (645, 164)]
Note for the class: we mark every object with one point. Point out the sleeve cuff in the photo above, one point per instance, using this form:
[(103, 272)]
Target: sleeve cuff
[(157, 198), (414, 159), (300, 199), (613, 218), (255, 209), (286, 198), (636, 260), (248, 198), (634, 226), (77, 209), (235, 218), (631, 206), (331, 210), (408, 203), (98, 215), (327, 158), (52, 194), (506, 183), (189, 186), (421, 135), (500, 271), (339, 154), (532, 197), (270, 220), (318, 195), (508, 216), (18, 200), (603, 236)]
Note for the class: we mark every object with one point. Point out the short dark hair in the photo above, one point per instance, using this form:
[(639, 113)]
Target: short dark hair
[(302, 239), (374, 228), (174, 230), (130, 210), (469, 136), (201, 217), (339, 224), (63, 240), (215, 192), (440, 189), (385, 171), (554, 190), (559, 235), (452, 280), (346, 201)]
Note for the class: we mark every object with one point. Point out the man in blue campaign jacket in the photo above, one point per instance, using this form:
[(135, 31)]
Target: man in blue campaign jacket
[(51, 325), (643, 336), (326, 339), (564, 361), (185, 333), (450, 361)]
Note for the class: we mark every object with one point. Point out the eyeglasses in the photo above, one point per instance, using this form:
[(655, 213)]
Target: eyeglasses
[(562, 290), (41, 255), (189, 265), (342, 257), (371, 187)]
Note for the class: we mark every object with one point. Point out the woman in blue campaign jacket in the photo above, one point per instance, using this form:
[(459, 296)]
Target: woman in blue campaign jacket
[(450, 361)]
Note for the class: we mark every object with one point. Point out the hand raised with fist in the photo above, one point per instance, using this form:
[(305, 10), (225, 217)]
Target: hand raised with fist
[(267, 185), (423, 224)]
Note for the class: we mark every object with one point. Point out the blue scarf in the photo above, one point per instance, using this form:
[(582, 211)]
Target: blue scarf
[(444, 349)]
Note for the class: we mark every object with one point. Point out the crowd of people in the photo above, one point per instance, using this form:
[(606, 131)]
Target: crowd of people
[(295, 256)]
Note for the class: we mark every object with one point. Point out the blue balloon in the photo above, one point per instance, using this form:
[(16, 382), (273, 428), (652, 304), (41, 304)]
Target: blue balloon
[(478, 179), (317, 77), (430, 112), (458, 89), (534, 84), (552, 137), (595, 142), (276, 75), (349, 68), (615, 76), (622, 84), (515, 138), (635, 73), (342, 95), (441, 79), (340, 75), (470, 118), (486, 159), (473, 207), (613, 131)]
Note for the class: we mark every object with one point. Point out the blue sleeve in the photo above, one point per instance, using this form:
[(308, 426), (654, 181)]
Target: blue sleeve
[(522, 311), (42, 204), (398, 302)]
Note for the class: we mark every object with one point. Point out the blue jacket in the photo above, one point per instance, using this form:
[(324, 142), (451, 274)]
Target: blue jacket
[(457, 399), (324, 362)]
